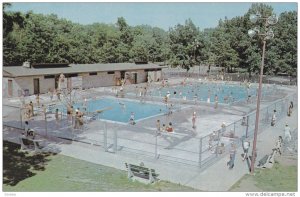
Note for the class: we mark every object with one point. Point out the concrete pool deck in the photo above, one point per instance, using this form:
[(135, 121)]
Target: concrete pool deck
[(209, 119)]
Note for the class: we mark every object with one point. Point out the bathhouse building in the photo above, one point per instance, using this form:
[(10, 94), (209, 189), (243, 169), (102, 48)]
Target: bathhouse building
[(31, 79)]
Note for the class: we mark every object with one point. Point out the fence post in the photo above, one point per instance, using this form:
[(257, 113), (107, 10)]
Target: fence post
[(21, 118), (234, 128), (200, 152), (156, 156), (105, 137), (46, 129), (62, 119), (267, 119), (115, 141)]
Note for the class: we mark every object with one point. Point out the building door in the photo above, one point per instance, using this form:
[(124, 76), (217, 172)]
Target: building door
[(56, 81), (122, 74), (10, 87), (135, 78), (36, 86)]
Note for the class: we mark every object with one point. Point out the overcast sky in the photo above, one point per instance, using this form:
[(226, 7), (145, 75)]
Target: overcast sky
[(163, 15)]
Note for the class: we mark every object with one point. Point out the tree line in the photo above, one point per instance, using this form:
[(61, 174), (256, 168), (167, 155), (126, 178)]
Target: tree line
[(47, 39)]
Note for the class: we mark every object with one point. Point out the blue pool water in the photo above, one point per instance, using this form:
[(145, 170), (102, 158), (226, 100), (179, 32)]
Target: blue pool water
[(201, 92), (118, 110)]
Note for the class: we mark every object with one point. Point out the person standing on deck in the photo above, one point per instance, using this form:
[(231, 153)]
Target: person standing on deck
[(216, 101), (232, 153), (194, 119)]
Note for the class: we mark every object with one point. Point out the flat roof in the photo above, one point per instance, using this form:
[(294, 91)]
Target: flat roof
[(20, 71)]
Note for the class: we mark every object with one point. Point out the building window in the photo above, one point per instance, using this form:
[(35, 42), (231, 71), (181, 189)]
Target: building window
[(49, 77), (94, 73), (149, 70), (111, 72), (71, 75)]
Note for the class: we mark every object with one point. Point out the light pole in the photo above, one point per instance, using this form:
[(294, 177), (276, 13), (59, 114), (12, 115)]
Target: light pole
[(272, 20), (196, 45)]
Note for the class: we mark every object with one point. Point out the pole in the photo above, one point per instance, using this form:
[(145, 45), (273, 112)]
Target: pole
[(21, 118), (115, 141), (46, 129), (247, 126), (156, 155), (105, 137), (234, 128), (257, 109), (200, 152)]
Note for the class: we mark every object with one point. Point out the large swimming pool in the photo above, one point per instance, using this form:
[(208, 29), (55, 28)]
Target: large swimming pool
[(117, 110), (226, 93)]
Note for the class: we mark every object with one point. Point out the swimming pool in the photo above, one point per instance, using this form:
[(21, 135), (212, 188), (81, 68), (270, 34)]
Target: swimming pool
[(117, 110), (226, 93)]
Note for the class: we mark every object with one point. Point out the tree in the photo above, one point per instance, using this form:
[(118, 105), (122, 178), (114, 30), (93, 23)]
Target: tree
[(183, 39)]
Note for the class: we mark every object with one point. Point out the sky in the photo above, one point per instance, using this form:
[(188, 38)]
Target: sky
[(163, 15)]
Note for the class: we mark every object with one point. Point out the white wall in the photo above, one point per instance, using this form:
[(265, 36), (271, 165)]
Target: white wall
[(15, 87), (102, 79), (76, 82), (22, 83), (25, 83), (141, 76), (45, 84), (154, 75), (158, 75)]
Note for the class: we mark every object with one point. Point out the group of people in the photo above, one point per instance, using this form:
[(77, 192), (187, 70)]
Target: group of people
[(142, 91), (194, 94), (77, 114), (164, 128)]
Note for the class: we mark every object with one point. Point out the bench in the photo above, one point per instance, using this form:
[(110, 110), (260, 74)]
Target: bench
[(30, 144), (141, 172)]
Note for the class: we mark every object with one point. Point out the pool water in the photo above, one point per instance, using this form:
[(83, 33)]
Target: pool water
[(118, 110), (203, 91)]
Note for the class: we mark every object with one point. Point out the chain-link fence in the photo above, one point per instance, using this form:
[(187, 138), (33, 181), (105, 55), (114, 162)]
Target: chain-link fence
[(280, 80), (191, 150), (13, 116), (187, 149)]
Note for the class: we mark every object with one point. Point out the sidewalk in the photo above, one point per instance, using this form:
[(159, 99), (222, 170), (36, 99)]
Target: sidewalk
[(217, 177)]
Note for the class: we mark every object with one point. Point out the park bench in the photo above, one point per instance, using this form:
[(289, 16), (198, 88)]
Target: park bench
[(141, 172), (30, 144)]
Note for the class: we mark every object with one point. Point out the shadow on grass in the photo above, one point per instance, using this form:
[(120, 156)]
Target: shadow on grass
[(19, 165)]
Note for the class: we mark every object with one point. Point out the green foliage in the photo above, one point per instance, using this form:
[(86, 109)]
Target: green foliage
[(46, 38)]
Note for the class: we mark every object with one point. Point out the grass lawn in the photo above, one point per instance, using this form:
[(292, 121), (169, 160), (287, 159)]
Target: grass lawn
[(278, 178), (24, 172)]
